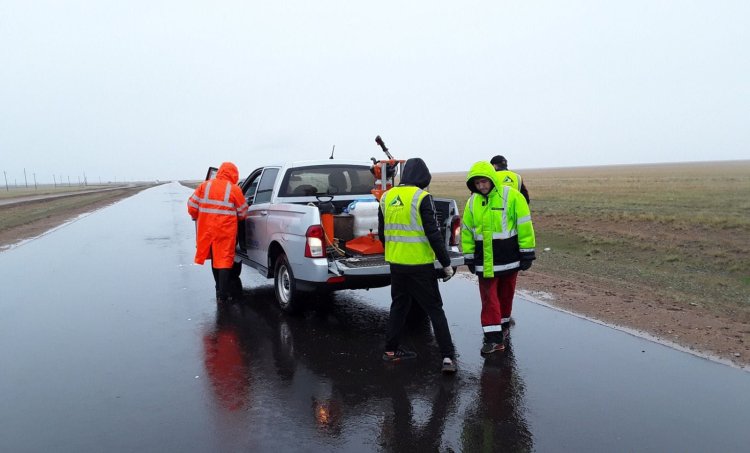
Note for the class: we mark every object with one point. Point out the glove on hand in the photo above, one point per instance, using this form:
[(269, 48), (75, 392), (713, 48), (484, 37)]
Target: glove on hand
[(448, 273), (525, 265)]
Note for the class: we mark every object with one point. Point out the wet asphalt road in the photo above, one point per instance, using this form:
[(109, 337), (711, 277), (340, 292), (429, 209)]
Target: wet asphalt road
[(110, 341)]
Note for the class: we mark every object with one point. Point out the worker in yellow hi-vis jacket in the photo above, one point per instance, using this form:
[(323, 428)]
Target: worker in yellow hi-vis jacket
[(497, 238), (408, 228)]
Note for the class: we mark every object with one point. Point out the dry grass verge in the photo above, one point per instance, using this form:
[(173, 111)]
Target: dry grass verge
[(30, 219), (46, 189)]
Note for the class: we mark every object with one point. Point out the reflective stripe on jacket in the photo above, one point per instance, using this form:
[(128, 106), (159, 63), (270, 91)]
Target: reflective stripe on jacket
[(405, 239), (496, 232), (217, 205)]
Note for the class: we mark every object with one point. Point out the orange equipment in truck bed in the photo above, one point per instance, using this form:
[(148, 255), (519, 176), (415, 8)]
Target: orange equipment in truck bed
[(384, 170), (365, 245)]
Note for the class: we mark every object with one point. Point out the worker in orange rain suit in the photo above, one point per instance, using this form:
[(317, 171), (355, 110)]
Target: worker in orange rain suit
[(216, 205), (497, 238)]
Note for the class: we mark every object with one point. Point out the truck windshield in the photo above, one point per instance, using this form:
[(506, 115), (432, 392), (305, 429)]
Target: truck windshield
[(327, 179)]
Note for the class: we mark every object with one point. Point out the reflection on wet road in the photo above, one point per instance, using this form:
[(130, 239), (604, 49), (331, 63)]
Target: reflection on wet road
[(110, 341)]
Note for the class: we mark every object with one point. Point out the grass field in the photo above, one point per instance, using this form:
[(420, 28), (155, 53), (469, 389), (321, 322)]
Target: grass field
[(679, 230), (27, 213), (46, 189)]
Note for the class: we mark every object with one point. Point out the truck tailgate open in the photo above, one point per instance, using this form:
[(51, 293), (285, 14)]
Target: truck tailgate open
[(375, 264)]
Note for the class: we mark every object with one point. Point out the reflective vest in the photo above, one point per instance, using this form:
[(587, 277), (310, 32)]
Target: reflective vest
[(405, 240), (509, 178)]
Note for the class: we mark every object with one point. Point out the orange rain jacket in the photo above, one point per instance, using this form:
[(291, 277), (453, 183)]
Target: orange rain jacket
[(217, 204)]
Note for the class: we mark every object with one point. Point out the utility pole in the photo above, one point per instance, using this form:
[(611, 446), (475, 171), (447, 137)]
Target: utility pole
[(85, 183), (5, 175), (68, 180), (26, 183), (54, 181), (34, 180)]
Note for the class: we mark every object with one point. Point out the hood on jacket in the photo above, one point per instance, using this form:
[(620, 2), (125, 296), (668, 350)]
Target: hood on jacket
[(228, 172), (416, 173), (481, 169)]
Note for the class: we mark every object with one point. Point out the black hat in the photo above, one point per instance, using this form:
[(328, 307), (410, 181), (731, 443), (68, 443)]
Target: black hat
[(500, 161)]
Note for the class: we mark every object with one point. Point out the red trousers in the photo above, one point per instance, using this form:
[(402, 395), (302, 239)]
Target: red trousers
[(497, 302)]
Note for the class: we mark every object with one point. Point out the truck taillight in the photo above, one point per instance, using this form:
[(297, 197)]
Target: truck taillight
[(315, 238), (455, 231)]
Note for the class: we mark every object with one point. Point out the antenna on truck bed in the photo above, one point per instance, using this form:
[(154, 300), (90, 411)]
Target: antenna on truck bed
[(332, 150)]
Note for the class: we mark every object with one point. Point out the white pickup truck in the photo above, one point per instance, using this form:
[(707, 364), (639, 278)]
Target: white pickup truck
[(284, 237)]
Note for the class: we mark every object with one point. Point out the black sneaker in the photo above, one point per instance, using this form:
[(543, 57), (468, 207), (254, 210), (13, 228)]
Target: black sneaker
[(449, 365), (398, 355), (489, 348)]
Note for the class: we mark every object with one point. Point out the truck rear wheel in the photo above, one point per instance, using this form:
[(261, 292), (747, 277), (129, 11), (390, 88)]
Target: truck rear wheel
[(285, 287)]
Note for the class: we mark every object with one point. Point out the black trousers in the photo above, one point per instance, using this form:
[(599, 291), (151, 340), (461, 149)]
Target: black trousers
[(420, 287), (228, 281)]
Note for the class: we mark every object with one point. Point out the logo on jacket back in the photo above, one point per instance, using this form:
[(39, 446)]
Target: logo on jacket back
[(396, 202), (508, 179)]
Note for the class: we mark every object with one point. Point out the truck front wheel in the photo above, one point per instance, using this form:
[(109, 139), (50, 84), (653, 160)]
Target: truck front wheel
[(284, 284)]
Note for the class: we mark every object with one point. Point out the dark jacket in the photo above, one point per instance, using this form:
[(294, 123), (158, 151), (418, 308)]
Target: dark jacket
[(416, 173), (525, 192)]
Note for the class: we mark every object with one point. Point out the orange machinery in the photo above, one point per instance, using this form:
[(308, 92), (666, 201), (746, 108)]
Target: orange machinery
[(384, 170)]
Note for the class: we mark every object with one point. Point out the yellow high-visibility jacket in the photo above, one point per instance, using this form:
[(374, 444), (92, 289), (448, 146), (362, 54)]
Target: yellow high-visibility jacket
[(496, 232), (405, 239)]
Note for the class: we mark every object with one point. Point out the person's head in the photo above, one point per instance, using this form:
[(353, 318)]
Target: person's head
[(499, 162), (416, 173), (482, 184), (228, 171), (482, 178)]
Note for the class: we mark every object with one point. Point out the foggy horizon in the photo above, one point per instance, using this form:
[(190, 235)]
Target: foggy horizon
[(164, 89)]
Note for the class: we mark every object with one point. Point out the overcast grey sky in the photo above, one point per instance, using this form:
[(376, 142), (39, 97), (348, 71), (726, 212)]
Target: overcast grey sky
[(163, 88)]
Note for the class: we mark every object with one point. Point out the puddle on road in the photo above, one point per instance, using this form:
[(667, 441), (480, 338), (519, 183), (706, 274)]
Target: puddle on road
[(323, 369)]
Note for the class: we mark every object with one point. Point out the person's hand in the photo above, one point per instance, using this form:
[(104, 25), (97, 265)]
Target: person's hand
[(448, 273), (525, 264)]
